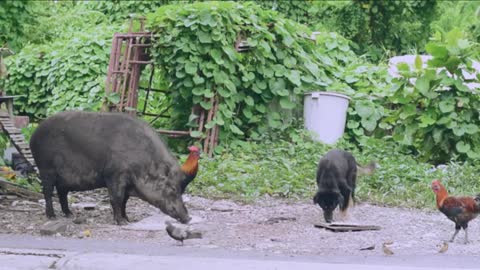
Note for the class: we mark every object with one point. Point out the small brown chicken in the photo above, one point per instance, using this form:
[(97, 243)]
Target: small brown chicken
[(460, 210), (190, 167)]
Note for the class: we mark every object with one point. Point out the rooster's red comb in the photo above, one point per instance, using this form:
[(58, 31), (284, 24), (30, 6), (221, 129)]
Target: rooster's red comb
[(194, 148)]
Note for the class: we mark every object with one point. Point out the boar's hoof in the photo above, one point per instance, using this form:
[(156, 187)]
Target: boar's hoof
[(69, 215), (122, 222)]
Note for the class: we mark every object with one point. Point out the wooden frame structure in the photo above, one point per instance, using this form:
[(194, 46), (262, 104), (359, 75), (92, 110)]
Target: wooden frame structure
[(128, 58)]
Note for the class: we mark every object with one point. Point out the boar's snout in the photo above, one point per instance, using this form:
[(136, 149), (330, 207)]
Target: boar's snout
[(184, 220)]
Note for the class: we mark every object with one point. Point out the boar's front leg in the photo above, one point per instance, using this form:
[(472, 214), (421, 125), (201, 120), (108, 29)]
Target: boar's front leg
[(117, 192)]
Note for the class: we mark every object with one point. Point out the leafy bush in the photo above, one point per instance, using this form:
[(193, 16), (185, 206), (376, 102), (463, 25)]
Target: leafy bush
[(435, 112), (66, 74), (15, 16), (118, 11), (463, 15), (379, 28), (258, 88)]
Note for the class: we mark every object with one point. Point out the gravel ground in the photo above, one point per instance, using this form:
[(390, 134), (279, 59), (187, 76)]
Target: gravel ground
[(269, 225)]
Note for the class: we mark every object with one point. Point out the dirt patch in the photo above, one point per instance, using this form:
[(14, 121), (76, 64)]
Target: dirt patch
[(270, 225)]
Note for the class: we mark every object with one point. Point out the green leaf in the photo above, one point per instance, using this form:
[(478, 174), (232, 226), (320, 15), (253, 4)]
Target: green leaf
[(418, 62), (248, 113), (471, 129), (277, 85), (190, 68), (206, 104), (353, 124), (364, 108), (249, 101), (235, 129), (230, 86), (196, 134), (446, 106), (369, 123), (224, 92), (113, 98), (261, 108), (210, 124), (423, 85), (217, 56), (462, 147), (285, 103), (198, 80), (437, 51), (294, 77), (198, 91)]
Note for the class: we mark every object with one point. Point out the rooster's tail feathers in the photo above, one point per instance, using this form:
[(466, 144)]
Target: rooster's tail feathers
[(477, 201)]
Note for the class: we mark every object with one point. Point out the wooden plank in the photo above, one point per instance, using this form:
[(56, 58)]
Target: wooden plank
[(22, 145), (16, 131), (18, 190), (337, 227)]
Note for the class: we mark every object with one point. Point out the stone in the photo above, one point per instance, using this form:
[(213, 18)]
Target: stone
[(85, 205), (80, 220), (53, 227)]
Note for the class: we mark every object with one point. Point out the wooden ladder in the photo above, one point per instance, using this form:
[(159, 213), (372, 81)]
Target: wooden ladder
[(17, 138)]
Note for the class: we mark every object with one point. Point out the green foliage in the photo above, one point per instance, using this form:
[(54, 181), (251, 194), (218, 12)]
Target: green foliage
[(66, 74), (436, 114), (195, 48), (379, 28), (119, 11), (14, 16), (62, 21), (463, 15), (304, 12), (258, 89)]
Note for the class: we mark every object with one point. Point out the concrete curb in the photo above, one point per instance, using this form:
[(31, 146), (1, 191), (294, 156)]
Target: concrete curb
[(20, 259)]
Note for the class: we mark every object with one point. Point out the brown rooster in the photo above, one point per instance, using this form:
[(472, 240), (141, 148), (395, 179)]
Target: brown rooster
[(460, 210), (190, 167)]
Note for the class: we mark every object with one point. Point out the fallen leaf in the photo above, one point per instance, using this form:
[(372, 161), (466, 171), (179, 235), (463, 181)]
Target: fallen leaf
[(87, 233), (386, 250)]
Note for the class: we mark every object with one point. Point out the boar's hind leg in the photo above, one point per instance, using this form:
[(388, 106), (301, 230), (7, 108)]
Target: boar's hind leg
[(48, 181), (117, 191), (63, 198)]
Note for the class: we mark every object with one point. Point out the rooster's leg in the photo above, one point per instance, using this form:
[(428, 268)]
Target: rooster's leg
[(466, 235), (457, 229)]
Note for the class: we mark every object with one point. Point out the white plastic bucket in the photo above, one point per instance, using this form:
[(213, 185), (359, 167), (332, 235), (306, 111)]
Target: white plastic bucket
[(325, 113)]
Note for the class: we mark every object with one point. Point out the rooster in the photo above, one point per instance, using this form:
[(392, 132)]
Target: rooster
[(460, 210), (190, 167)]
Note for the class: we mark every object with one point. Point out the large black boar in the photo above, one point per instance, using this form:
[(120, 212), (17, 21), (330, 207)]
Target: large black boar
[(77, 151)]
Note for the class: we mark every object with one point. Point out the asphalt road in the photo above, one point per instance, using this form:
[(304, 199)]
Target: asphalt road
[(30, 252)]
